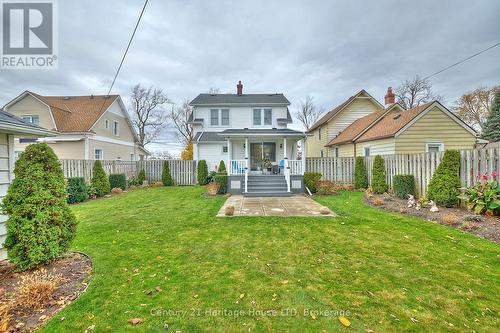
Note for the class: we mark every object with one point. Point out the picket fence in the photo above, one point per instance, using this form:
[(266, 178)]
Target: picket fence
[(473, 165), (183, 172)]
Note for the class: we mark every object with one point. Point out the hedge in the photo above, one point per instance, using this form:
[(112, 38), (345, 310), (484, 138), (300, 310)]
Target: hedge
[(40, 226), (310, 180), (378, 175), (403, 185), (141, 177), (221, 179), (118, 180), (166, 177), (445, 183), (99, 181), (360, 178), (77, 190), (202, 172)]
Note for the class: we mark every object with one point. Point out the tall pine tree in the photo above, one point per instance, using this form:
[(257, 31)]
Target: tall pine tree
[(491, 130)]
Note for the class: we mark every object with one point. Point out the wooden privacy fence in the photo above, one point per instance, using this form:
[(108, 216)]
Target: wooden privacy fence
[(473, 164), (183, 172)]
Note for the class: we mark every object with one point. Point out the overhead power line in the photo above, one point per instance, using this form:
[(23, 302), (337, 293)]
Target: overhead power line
[(461, 61), (125, 53)]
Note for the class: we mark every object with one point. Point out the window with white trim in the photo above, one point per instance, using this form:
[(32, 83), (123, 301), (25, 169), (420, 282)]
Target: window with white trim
[(224, 149), (262, 117), (432, 147), (32, 119), (98, 154), (256, 117), (268, 117), (336, 151), (321, 153), (116, 128), (367, 151), (106, 124), (214, 117), (224, 117), (319, 134)]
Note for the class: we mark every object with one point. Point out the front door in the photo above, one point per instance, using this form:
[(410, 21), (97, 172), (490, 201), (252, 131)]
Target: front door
[(262, 155)]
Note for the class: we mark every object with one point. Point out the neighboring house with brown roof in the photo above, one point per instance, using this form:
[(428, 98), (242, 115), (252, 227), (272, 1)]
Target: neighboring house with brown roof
[(394, 130), (336, 121), (88, 127)]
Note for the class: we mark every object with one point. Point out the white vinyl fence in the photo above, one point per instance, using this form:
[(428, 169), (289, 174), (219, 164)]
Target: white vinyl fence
[(473, 164), (183, 172)]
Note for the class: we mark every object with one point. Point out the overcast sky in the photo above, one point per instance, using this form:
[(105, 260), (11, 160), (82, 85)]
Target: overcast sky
[(327, 49)]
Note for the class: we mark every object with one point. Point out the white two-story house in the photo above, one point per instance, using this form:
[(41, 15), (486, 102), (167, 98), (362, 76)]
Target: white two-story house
[(249, 133)]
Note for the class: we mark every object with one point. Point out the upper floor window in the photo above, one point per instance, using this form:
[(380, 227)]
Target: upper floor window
[(116, 129), (106, 124), (214, 117), (97, 154), (219, 117), (224, 117), (367, 151), (262, 117), (32, 119), (336, 151), (319, 134)]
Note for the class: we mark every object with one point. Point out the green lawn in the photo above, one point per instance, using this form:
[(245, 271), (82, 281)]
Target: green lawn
[(264, 274)]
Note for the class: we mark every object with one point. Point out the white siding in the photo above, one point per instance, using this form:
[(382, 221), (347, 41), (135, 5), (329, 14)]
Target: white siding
[(212, 154), (6, 151), (239, 117)]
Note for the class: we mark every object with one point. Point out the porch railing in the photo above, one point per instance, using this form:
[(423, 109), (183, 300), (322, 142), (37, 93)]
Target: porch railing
[(295, 167), (237, 167)]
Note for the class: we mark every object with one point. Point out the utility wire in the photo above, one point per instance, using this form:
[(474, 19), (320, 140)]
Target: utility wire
[(125, 53), (461, 61)]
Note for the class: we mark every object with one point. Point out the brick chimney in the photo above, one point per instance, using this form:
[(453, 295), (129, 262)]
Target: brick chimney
[(239, 88), (389, 98)]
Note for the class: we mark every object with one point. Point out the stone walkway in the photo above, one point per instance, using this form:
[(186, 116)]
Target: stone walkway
[(296, 205)]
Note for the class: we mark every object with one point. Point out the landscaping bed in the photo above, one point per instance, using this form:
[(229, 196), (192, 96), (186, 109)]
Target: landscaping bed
[(457, 217), (28, 299)]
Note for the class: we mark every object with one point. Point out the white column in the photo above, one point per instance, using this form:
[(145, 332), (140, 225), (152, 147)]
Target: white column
[(247, 166), (284, 148), (303, 148), (229, 156)]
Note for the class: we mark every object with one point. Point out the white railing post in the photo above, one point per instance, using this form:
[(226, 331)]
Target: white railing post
[(303, 156), (246, 165), (287, 174)]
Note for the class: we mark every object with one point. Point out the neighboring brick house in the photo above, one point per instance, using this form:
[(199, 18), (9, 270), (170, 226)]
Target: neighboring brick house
[(88, 127)]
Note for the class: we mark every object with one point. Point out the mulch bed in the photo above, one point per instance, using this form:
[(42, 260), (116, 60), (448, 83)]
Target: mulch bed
[(488, 228), (75, 270)]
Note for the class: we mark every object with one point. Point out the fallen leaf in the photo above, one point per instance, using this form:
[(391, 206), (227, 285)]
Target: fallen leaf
[(158, 289), (242, 295), (62, 318), (195, 296), (148, 292), (313, 316), (284, 282), (136, 321), (344, 321)]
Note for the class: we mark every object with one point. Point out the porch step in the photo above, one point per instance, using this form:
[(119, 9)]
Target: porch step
[(267, 186)]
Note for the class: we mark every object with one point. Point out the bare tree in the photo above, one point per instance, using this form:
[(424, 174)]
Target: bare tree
[(213, 90), (307, 113), (163, 155), (474, 106), (415, 92), (180, 120), (148, 114)]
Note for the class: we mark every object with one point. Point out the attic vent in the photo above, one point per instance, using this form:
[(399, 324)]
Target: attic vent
[(66, 98), (396, 116)]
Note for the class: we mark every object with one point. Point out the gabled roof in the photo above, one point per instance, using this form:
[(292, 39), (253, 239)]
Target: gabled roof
[(361, 125), (73, 113), (16, 124), (235, 99), (329, 115)]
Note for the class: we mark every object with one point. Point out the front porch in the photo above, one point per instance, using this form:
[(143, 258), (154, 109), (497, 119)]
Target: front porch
[(265, 165)]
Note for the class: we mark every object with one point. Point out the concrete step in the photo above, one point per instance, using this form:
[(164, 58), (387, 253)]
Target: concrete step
[(267, 194)]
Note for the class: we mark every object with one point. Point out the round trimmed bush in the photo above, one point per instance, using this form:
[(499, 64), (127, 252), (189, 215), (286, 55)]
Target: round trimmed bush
[(403, 185), (100, 181), (378, 175), (40, 226), (310, 180), (222, 167), (445, 183), (360, 178), (77, 190), (166, 177), (202, 172)]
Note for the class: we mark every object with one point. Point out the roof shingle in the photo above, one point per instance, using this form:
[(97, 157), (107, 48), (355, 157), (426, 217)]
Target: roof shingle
[(228, 99)]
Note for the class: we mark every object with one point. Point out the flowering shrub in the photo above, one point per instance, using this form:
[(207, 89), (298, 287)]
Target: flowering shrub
[(484, 197)]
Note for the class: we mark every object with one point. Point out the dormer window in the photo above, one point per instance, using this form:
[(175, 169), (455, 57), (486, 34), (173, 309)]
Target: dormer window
[(32, 119)]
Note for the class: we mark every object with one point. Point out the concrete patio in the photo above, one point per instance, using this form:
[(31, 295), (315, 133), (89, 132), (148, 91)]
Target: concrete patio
[(297, 205)]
